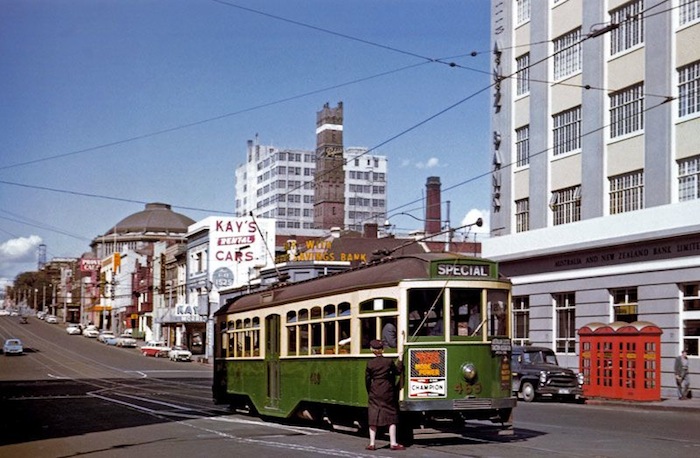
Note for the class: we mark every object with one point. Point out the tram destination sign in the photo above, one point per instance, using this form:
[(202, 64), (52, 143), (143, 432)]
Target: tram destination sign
[(463, 269)]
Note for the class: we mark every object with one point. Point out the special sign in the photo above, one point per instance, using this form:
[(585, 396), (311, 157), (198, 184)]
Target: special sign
[(427, 374)]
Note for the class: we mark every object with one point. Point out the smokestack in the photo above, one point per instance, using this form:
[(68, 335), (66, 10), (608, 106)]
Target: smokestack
[(433, 216), (371, 230)]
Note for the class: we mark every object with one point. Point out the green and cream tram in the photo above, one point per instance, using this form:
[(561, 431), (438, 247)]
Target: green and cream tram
[(300, 349)]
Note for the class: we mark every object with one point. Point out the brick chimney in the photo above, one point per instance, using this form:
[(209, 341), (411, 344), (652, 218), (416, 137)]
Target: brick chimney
[(433, 216)]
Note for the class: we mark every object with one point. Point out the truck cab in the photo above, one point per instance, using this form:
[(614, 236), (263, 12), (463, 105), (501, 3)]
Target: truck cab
[(537, 373)]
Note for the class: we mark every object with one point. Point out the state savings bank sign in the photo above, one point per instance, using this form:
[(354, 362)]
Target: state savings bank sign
[(237, 246)]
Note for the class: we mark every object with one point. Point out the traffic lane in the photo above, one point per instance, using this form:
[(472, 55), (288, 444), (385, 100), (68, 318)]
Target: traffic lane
[(58, 354)]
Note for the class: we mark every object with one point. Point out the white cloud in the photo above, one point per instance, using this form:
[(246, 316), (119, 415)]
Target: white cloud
[(473, 215), (431, 163), (18, 255)]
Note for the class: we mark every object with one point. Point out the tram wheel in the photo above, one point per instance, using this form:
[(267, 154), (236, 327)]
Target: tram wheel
[(527, 390)]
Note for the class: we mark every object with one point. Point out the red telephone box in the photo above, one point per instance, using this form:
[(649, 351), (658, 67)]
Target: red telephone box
[(621, 360)]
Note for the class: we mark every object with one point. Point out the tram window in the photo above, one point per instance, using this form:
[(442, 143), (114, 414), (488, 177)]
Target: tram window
[(291, 340), (465, 311), (389, 332), (329, 311), (344, 336), (344, 309), (329, 334), (291, 317), (316, 313), (239, 324), (303, 339), (256, 322), (231, 350), (498, 315), (425, 307), (247, 323), (377, 304), (368, 331), (316, 338), (303, 315)]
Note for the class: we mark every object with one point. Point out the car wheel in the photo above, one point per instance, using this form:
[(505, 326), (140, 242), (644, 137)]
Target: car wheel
[(527, 391), (144, 353)]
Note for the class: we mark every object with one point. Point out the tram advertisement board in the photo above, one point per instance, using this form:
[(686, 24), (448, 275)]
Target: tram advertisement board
[(427, 373)]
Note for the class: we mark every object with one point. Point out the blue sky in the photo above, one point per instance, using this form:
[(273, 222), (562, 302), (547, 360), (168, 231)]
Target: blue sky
[(109, 104)]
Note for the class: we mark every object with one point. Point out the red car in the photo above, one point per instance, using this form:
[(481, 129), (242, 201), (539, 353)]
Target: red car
[(157, 349)]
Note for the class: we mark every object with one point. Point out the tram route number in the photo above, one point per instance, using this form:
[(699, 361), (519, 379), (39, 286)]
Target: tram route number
[(466, 389)]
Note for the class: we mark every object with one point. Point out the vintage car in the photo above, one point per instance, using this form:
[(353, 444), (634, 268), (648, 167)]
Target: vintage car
[(125, 340), (13, 347), (157, 349), (91, 332), (104, 336), (180, 353), (73, 329), (536, 373)]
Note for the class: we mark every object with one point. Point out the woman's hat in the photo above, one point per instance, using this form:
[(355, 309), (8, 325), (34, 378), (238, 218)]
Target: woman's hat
[(376, 345)]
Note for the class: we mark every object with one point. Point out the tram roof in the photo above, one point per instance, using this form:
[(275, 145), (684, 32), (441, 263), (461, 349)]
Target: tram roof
[(389, 271)]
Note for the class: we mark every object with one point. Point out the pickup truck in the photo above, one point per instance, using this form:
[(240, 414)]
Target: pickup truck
[(536, 373)]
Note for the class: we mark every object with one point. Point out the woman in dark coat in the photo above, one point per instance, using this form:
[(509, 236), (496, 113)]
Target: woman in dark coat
[(383, 407)]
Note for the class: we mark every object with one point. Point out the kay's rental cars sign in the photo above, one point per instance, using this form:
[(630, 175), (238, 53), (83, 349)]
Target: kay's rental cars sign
[(236, 247)]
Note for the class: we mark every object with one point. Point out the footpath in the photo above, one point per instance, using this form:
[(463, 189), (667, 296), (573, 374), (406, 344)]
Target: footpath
[(673, 403)]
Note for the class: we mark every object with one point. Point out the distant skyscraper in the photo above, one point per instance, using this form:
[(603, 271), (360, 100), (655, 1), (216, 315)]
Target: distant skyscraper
[(280, 183), (41, 256)]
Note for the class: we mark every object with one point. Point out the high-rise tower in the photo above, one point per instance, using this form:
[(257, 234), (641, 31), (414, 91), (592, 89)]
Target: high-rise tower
[(329, 182)]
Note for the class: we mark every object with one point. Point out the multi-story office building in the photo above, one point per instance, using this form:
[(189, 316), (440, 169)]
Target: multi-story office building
[(279, 183), (596, 168)]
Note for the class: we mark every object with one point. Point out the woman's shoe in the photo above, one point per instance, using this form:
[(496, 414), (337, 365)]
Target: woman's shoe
[(370, 447), (398, 447)]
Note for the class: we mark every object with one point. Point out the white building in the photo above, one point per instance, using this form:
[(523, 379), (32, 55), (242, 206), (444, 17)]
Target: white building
[(596, 189), (278, 183)]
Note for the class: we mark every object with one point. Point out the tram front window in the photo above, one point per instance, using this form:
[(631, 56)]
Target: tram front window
[(425, 317), (498, 313), (465, 310)]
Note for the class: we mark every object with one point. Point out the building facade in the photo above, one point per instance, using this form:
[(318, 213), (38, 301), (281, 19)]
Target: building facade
[(280, 183), (596, 166)]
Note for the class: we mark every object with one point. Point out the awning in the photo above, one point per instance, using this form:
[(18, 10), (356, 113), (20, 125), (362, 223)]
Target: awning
[(101, 308)]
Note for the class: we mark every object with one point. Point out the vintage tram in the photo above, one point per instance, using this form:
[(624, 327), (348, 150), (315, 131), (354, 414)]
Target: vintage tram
[(300, 349)]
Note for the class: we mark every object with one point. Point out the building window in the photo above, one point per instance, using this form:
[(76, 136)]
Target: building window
[(627, 192), (522, 215), (689, 89), (689, 11), (565, 311), (624, 304), (522, 65), (631, 27), (521, 320), (627, 111), (567, 54), (522, 145), (566, 205), (689, 179), (690, 316), (567, 131), (523, 11)]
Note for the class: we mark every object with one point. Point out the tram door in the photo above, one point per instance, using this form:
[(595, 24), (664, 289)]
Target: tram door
[(272, 360)]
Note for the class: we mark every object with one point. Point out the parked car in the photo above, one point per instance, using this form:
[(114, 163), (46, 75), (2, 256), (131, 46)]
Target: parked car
[(73, 329), (125, 340), (91, 332), (12, 347), (536, 373), (105, 335), (51, 319), (180, 353), (4, 312), (23, 320), (41, 315), (157, 349)]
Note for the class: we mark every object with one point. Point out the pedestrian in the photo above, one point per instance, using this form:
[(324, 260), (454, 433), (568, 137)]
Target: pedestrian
[(389, 334), (680, 369), (383, 405)]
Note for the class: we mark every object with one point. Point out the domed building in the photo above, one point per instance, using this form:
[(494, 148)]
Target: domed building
[(156, 223)]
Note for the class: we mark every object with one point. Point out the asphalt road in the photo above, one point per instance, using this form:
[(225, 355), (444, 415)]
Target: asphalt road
[(70, 396)]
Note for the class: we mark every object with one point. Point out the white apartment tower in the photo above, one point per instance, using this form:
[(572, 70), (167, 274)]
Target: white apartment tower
[(278, 183), (595, 211)]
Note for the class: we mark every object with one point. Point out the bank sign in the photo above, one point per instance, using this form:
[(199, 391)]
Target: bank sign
[(238, 246)]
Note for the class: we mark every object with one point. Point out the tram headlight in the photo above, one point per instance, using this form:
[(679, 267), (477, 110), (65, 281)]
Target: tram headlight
[(469, 372)]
